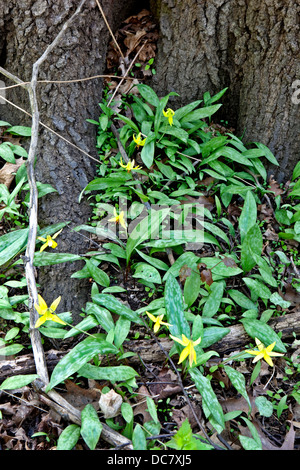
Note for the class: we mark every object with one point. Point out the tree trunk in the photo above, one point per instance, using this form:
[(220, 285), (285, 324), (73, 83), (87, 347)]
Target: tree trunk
[(252, 47), (27, 27)]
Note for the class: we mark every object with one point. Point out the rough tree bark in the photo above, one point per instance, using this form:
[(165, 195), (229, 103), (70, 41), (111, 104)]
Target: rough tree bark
[(26, 28), (252, 47)]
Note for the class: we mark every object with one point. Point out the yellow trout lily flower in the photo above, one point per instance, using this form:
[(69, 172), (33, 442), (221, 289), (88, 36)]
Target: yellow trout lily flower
[(47, 313), (264, 352), (49, 241), (118, 218), (138, 140), (169, 114), (188, 350), (130, 165), (157, 321)]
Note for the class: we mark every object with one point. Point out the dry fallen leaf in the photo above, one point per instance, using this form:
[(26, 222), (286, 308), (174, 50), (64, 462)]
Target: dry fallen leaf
[(8, 171), (274, 186), (110, 404)]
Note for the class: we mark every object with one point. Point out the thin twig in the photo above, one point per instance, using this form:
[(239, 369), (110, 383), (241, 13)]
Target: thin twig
[(51, 130), (126, 73), (75, 80), (109, 28)]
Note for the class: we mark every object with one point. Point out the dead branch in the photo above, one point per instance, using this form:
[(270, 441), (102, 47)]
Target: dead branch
[(149, 352)]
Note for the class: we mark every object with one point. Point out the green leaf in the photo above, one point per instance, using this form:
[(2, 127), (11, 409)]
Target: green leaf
[(157, 263), (213, 334), (127, 412), (175, 310), (257, 287), (90, 426), (113, 373), (296, 172), (20, 130), (146, 229), (17, 381), (216, 231), (11, 244), (181, 112), (241, 299), (264, 406), (257, 329), (238, 381), (247, 442), (11, 349), (122, 329), (138, 438), (252, 245), (147, 272), (86, 324), (248, 215), (278, 300), (208, 395), (147, 153), (6, 153), (69, 437), (102, 315), (82, 353), (115, 306), (47, 259), (98, 274), (214, 299), (148, 94), (152, 409), (200, 113), (192, 287), (267, 153)]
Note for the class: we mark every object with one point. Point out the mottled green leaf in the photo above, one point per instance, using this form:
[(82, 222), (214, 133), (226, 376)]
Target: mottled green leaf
[(68, 438), (111, 373), (208, 395), (238, 381), (214, 299), (175, 310), (263, 332), (138, 438), (79, 355), (252, 244), (90, 426), (248, 215), (17, 381), (115, 306)]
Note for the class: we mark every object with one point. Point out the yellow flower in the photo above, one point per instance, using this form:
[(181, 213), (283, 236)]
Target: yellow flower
[(47, 313), (169, 114), (157, 321), (138, 140), (118, 218), (264, 352), (130, 165), (49, 241), (188, 350)]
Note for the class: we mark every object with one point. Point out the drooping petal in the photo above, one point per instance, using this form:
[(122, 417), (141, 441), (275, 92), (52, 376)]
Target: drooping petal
[(39, 322), (178, 340), (56, 234), (152, 317), (184, 354), (42, 304), (43, 247), (56, 319), (268, 359), (258, 356)]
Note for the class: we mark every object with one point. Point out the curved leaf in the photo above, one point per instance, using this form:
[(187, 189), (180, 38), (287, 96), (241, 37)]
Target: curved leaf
[(78, 356)]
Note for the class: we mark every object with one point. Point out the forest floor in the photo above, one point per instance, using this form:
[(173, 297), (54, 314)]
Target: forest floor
[(28, 423)]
